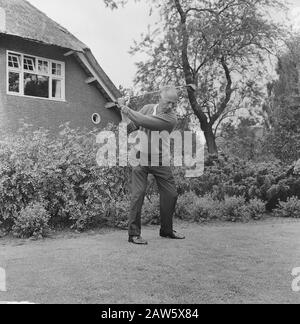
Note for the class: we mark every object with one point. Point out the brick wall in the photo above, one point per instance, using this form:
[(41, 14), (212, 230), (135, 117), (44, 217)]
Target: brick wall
[(82, 100)]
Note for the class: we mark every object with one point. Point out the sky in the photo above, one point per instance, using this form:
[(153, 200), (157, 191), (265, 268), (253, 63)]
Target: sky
[(110, 34)]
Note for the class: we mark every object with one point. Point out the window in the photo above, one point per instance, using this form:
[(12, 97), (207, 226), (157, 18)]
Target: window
[(43, 67), (29, 63), (56, 89), (14, 82), (56, 69), (37, 77), (36, 85), (14, 61)]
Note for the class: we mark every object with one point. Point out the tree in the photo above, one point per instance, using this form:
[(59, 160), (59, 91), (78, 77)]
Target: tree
[(282, 108), (243, 139), (214, 45)]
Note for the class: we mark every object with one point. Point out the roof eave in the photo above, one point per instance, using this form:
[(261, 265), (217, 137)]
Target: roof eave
[(89, 63), (44, 43), (97, 74)]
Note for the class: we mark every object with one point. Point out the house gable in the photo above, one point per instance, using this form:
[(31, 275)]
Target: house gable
[(82, 99), (85, 89)]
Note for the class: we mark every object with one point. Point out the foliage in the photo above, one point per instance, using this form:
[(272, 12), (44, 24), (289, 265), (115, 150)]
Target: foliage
[(290, 208), (230, 209), (32, 221), (231, 176), (254, 210), (58, 180), (281, 109), (151, 211), (62, 173), (206, 209), (118, 213), (233, 208), (220, 46), (184, 205), (244, 137)]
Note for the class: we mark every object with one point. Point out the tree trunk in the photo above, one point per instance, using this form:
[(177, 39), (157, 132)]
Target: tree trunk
[(211, 141), (191, 78)]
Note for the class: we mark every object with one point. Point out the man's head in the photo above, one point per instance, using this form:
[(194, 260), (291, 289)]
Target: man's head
[(169, 94), (168, 97)]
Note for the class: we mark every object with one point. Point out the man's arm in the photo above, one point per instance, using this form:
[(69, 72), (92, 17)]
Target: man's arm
[(153, 123), (132, 127)]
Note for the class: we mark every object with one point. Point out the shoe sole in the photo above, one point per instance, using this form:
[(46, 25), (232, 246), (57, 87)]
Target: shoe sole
[(173, 238), (131, 242)]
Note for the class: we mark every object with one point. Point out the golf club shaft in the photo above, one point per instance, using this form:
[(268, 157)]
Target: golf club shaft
[(111, 105), (154, 92)]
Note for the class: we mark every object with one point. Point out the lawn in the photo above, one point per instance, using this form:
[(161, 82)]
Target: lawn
[(217, 263)]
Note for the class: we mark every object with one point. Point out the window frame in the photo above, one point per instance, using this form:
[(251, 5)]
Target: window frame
[(22, 71)]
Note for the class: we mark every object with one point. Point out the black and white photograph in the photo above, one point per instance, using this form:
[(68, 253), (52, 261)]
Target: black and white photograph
[(149, 155)]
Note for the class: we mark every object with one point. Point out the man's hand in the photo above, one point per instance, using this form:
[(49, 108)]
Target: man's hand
[(122, 102)]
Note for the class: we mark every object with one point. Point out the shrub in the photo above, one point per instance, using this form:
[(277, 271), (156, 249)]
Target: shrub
[(255, 210), (290, 208), (185, 204), (32, 221), (62, 172), (118, 213), (205, 209), (286, 187), (151, 210), (233, 208), (230, 176)]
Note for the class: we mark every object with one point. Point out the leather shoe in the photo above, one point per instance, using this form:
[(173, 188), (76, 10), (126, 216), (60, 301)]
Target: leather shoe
[(174, 236), (138, 240)]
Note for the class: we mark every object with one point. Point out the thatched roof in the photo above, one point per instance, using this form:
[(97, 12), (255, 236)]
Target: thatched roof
[(26, 21)]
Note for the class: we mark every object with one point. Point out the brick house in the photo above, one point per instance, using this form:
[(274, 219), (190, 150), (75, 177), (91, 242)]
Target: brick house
[(47, 76)]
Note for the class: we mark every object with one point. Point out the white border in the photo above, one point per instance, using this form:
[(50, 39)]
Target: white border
[(21, 71)]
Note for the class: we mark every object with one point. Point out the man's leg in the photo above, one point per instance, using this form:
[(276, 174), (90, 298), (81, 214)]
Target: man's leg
[(139, 186), (168, 197)]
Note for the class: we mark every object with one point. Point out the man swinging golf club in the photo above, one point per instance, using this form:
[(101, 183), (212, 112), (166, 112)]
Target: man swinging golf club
[(153, 118)]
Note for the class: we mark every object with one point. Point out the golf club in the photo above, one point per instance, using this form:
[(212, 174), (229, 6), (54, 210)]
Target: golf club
[(111, 105)]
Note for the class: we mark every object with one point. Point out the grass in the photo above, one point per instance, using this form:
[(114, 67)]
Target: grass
[(218, 263)]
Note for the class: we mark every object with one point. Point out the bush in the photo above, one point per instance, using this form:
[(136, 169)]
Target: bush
[(184, 207), (290, 208), (118, 213), (206, 209), (255, 210), (32, 221), (60, 171), (233, 209), (233, 177), (151, 211)]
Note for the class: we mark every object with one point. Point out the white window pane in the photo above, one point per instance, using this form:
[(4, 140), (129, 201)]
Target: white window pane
[(43, 67), (29, 63), (56, 69), (14, 82), (14, 61), (56, 89), (36, 85)]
